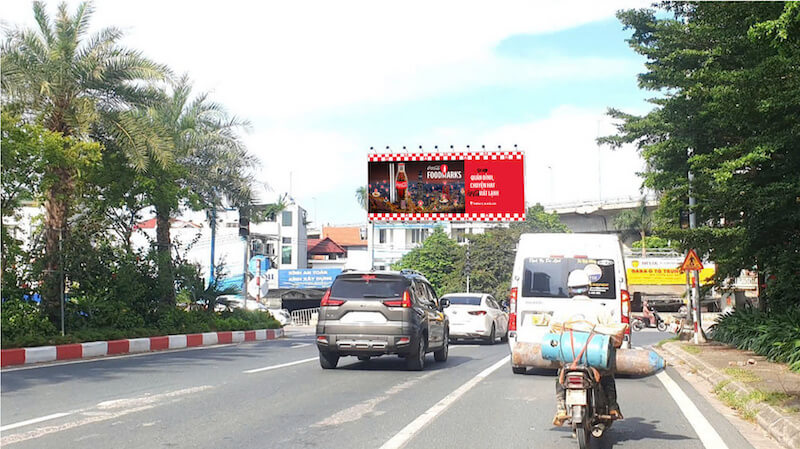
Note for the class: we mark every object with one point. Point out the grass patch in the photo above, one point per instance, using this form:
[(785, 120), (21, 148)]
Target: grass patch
[(661, 343), (691, 349), (774, 398), (741, 375), (735, 401), (720, 386)]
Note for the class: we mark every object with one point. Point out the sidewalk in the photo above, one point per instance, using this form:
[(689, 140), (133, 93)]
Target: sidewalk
[(760, 391)]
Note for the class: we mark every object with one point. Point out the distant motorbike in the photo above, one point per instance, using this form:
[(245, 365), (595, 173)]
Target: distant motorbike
[(640, 322), (586, 403)]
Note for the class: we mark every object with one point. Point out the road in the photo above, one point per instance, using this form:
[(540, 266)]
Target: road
[(274, 394)]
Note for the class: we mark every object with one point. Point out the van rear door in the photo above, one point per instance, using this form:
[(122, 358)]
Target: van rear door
[(543, 288)]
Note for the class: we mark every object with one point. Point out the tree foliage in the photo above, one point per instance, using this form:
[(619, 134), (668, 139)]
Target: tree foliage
[(726, 109)]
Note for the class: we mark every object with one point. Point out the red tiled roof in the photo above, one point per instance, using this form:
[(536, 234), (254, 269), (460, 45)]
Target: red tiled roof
[(344, 235), (326, 246), (310, 243)]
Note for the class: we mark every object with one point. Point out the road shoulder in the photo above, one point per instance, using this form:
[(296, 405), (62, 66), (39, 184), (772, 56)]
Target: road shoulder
[(707, 379)]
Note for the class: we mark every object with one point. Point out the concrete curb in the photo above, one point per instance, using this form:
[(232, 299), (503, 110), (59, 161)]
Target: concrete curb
[(785, 429), (27, 356)]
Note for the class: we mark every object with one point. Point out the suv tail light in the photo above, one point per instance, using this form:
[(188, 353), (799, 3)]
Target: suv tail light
[(574, 380), (512, 307), (404, 303), (625, 309), (327, 301), (477, 312)]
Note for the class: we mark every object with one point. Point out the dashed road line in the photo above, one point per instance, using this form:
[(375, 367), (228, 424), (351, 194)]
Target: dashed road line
[(282, 365)]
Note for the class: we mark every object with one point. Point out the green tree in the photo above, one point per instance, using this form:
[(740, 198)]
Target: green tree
[(69, 83), (639, 219), (362, 196), (437, 258), (210, 165), (726, 110)]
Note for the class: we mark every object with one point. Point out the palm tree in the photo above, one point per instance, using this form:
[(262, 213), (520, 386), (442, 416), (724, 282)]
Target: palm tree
[(639, 219), (70, 83), (211, 164), (362, 196)]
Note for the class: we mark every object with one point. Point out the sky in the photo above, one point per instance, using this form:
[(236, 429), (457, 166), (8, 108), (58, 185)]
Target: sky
[(322, 82)]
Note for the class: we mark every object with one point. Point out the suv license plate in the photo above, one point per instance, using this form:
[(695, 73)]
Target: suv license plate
[(576, 397)]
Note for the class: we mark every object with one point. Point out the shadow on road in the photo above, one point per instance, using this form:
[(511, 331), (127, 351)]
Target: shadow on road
[(394, 363), (629, 429)]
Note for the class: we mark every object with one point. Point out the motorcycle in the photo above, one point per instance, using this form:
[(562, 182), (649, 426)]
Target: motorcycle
[(640, 322), (586, 403)]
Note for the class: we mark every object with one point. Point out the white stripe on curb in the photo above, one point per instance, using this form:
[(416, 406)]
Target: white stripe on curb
[(704, 430), (40, 354), (210, 338), (424, 419), (138, 345), (237, 336), (261, 334), (94, 349), (177, 341)]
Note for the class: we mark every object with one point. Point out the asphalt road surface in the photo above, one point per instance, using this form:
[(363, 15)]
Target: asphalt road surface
[(274, 394)]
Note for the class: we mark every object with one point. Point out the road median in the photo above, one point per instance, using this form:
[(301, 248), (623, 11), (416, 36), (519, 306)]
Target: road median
[(93, 349)]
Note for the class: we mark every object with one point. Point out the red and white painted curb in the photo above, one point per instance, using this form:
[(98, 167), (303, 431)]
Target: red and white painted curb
[(24, 356)]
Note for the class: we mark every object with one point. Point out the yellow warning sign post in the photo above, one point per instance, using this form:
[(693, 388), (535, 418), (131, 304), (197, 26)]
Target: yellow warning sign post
[(691, 262)]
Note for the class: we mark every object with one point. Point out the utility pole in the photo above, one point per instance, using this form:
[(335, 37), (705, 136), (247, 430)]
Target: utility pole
[(62, 276), (213, 237), (699, 337), (467, 265)]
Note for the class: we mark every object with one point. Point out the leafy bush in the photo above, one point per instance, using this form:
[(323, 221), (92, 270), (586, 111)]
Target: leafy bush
[(22, 319), (775, 335)]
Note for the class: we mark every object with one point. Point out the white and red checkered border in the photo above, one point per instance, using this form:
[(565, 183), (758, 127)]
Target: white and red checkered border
[(446, 217), (465, 156)]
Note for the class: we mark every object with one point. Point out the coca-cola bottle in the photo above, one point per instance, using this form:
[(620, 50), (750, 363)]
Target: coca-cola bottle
[(401, 184)]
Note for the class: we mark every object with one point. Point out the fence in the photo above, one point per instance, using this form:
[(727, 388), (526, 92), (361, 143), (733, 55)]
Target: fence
[(305, 317)]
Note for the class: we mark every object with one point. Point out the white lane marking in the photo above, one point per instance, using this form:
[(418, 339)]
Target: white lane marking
[(463, 346), (704, 430), (283, 365), (402, 437), (33, 421), (364, 408), (104, 411), (299, 345)]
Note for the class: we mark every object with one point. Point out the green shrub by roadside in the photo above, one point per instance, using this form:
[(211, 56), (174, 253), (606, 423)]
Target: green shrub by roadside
[(775, 335), (35, 330)]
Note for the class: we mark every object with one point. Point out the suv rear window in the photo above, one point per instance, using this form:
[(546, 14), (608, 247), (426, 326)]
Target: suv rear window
[(547, 277), (369, 286), (465, 300)]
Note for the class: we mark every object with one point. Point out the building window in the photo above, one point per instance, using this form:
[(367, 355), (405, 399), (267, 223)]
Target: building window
[(418, 235), (287, 240), (286, 218), (382, 235), (286, 255)]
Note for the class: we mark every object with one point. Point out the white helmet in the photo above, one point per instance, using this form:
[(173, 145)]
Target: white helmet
[(578, 283)]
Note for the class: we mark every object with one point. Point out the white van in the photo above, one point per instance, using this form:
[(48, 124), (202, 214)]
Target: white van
[(539, 281)]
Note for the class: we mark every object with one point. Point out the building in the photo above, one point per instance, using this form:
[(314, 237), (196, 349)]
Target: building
[(389, 242)]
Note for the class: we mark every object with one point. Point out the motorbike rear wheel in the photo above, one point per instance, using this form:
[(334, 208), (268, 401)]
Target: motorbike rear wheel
[(662, 326), (583, 436)]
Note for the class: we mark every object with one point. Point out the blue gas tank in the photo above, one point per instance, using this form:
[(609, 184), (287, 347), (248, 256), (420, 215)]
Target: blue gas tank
[(558, 348)]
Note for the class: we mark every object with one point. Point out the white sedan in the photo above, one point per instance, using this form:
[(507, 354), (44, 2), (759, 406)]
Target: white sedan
[(476, 315)]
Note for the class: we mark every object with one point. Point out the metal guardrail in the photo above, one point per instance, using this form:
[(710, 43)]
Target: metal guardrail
[(305, 317), (654, 252)]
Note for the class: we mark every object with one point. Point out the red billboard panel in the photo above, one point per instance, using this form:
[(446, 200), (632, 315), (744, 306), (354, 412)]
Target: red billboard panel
[(480, 186)]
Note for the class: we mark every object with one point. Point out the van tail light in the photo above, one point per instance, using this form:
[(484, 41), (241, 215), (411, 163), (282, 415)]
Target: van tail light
[(512, 307), (404, 303), (477, 312), (625, 309), (574, 380), (327, 301)]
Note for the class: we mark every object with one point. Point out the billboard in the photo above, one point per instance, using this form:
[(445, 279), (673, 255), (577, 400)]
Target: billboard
[(662, 271), (478, 186), (307, 277)]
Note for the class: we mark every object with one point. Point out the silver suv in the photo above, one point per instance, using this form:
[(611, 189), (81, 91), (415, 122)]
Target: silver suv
[(371, 313)]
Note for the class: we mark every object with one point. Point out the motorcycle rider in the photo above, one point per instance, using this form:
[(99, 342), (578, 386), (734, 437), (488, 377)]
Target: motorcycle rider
[(584, 314)]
